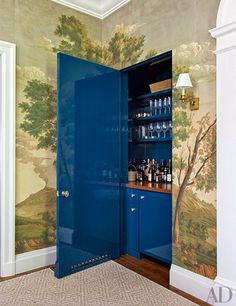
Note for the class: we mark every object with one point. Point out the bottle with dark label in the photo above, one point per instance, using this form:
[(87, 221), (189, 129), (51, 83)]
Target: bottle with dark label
[(159, 175), (162, 168), (169, 172), (138, 173), (154, 165)]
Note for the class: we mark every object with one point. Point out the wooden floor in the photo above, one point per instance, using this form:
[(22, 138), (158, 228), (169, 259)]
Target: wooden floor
[(145, 267), (155, 272)]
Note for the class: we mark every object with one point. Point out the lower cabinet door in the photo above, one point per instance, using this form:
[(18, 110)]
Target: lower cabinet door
[(155, 237), (132, 229)]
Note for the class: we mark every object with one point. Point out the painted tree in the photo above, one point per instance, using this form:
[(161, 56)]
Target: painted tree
[(123, 49), (40, 113), (196, 168), (75, 40)]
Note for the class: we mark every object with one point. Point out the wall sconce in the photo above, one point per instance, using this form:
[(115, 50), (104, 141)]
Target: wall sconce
[(184, 82)]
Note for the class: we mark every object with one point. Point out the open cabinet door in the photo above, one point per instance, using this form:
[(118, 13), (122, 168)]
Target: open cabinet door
[(88, 164)]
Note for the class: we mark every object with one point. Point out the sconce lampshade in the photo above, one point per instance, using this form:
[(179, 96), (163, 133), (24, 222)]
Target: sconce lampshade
[(184, 81)]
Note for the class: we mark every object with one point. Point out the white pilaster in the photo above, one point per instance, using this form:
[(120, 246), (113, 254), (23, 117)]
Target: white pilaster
[(225, 34), (7, 158)]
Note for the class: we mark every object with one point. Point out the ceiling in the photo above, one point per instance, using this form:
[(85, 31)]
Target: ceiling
[(97, 8)]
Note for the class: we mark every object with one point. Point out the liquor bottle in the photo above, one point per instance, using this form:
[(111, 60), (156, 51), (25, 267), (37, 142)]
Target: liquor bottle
[(146, 168), (143, 177), (162, 168), (165, 174), (154, 165), (140, 175), (150, 174), (157, 175), (138, 172), (169, 173)]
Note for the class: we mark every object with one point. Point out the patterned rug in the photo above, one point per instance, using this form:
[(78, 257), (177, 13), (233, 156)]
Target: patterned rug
[(106, 284)]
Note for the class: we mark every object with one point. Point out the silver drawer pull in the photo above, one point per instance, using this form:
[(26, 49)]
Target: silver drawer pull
[(133, 209), (65, 193), (132, 195), (141, 197)]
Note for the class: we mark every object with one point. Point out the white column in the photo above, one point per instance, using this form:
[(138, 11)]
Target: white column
[(225, 33), (7, 158)]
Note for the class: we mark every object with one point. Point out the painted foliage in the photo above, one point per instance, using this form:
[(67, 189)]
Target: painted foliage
[(194, 164), (124, 38)]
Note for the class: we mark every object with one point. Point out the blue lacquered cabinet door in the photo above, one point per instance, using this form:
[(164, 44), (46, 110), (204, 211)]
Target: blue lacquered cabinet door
[(88, 164), (132, 222), (155, 225)]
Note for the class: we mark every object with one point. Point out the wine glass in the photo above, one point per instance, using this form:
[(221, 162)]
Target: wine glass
[(169, 102), (155, 107), (151, 106), (160, 104), (158, 129), (164, 129), (165, 105), (170, 128), (151, 130), (130, 134), (140, 132)]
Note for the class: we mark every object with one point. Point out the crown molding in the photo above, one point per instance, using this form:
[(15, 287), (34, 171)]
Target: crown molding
[(101, 12), (223, 30)]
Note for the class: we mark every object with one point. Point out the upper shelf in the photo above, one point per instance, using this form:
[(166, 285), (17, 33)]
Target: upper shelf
[(151, 95), (154, 118)]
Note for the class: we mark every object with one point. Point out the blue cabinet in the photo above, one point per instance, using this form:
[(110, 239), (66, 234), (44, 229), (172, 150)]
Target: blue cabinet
[(149, 224), (93, 118)]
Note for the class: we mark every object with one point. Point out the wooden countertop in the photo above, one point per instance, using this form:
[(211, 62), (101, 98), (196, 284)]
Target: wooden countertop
[(156, 187)]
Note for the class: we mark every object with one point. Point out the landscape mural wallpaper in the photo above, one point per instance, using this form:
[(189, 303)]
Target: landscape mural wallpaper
[(128, 36)]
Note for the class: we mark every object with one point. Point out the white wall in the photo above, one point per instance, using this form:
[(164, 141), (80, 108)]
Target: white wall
[(0, 144)]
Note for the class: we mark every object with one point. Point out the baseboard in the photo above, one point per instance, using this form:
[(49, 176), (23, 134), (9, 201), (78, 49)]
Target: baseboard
[(7, 269), (35, 259), (191, 283)]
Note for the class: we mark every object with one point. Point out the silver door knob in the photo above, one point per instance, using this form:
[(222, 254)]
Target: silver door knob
[(133, 209), (132, 195), (141, 197), (65, 193)]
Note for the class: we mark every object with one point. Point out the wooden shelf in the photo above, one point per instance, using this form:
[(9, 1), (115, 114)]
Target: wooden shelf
[(152, 140), (155, 118), (156, 187), (153, 94)]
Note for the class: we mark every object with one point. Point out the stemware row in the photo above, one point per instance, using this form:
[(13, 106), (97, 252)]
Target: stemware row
[(155, 130), (161, 106)]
